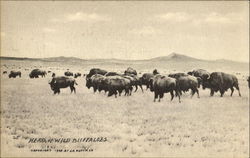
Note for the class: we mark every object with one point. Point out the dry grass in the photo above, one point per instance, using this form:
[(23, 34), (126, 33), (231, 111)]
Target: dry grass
[(134, 126)]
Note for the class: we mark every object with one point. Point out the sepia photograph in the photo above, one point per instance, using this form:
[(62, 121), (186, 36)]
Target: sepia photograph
[(124, 78)]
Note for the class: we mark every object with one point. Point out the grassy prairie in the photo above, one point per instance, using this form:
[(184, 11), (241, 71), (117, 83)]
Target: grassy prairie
[(134, 125)]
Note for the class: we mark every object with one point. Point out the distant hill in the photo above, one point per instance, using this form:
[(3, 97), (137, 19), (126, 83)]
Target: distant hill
[(175, 57), (172, 61)]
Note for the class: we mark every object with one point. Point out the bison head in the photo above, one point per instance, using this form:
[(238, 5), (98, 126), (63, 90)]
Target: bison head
[(88, 83)]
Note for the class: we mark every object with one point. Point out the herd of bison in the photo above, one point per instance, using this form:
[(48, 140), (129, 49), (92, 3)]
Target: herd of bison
[(115, 83)]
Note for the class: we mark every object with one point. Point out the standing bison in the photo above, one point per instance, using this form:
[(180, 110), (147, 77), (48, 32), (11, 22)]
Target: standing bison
[(36, 73), (145, 79), (117, 83), (220, 81), (14, 74), (162, 84), (96, 82), (95, 71), (62, 82)]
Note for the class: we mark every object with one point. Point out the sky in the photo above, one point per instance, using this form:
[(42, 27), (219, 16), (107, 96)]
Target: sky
[(125, 30)]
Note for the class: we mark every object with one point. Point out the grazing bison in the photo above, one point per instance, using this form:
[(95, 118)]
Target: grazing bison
[(96, 71), (248, 80), (162, 84), (77, 75), (36, 73), (62, 82), (220, 81), (130, 71), (67, 73), (145, 79), (5, 72), (49, 71), (14, 74)]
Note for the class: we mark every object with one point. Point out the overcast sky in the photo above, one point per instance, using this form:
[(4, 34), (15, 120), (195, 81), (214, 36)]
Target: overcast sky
[(126, 30)]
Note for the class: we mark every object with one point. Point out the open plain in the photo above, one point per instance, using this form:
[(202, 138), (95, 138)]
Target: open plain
[(133, 125)]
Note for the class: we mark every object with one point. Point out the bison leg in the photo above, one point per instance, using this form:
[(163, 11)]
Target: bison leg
[(177, 93), (192, 92), (197, 91), (212, 93), (222, 93), (237, 87), (232, 91), (141, 88), (172, 95), (136, 87), (156, 96)]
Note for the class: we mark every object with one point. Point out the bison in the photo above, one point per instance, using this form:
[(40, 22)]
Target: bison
[(145, 79), (220, 81), (185, 83), (135, 81), (112, 74), (14, 74), (130, 71), (77, 75), (162, 84), (67, 73), (5, 72), (62, 82), (36, 73), (203, 74), (96, 82), (117, 83), (96, 71)]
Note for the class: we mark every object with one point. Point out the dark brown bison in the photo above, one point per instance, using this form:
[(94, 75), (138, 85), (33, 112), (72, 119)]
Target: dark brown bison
[(68, 73), (220, 81), (117, 83), (36, 73), (96, 81), (135, 81), (96, 71), (130, 71), (185, 83), (145, 79), (162, 84), (203, 74), (77, 75), (14, 74), (5, 72), (62, 82)]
